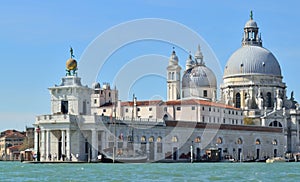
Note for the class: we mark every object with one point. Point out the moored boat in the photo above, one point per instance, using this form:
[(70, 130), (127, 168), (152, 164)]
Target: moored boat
[(275, 160)]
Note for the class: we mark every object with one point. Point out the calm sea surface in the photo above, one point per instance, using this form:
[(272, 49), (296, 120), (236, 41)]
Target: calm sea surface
[(16, 171)]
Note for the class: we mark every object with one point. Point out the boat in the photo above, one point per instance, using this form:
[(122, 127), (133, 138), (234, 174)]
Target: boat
[(109, 158), (275, 160), (228, 158)]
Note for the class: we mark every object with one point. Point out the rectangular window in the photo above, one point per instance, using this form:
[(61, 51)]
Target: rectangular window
[(165, 109), (193, 107), (138, 109), (202, 108), (204, 93), (95, 101), (64, 107), (126, 110), (84, 107), (150, 108), (203, 119), (178, 108)]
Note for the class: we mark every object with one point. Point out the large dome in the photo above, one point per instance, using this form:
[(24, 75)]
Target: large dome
[(199, 76), (252, 60)]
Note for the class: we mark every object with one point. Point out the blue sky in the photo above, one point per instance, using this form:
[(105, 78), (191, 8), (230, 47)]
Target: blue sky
[(35, 38)]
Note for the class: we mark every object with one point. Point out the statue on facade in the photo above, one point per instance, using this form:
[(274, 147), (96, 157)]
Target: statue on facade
[(247, 101), (279, 101), (292, 96), (259, 100), (227, 100)]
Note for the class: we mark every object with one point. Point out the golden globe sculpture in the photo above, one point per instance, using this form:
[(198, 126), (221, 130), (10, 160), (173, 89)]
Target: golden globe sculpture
[(71, 64)]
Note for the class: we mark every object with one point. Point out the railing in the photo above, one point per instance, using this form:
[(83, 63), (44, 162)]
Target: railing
[(55, 118)]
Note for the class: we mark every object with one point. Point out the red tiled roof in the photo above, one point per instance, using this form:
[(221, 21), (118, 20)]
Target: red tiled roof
[(15, 135), (142, 103), (12, 134), (200, 102), (180, 102)]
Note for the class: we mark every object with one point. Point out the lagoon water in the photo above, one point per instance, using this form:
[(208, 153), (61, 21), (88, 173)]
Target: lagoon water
[(16, 171)]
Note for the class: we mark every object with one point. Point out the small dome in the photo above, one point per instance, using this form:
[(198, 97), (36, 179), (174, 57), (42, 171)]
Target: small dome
[(71, 64), (96, 85), (190, 60), (173, 57), (199, 76), (251, 60), (251, 24)]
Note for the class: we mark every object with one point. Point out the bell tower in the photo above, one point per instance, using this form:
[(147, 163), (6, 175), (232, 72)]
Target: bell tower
[(173, 78)]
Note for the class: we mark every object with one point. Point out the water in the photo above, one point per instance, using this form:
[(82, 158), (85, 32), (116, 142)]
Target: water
[(16, 171)]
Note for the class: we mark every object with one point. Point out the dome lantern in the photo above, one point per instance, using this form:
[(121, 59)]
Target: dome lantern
[(251, 36)]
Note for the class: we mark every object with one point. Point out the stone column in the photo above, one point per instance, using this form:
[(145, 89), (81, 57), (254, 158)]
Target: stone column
[(63, 143), (94, 145), (35, 141), (43, 145), (48, 143), (68, 140)]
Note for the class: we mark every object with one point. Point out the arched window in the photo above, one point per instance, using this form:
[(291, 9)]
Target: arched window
[(143, 139), (269, 99), (219, 140), (239, 141), (174, 139), (165, 117), (151, 139), (257, 142), (197, 139), (158, 139), (238, 100), (274, 142), (275, 124), (173, 75)]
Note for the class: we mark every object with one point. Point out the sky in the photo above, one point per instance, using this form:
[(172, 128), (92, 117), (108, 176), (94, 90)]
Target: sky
[(35, 38)]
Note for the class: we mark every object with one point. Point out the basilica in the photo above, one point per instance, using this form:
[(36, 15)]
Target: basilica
[(252, 120)]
